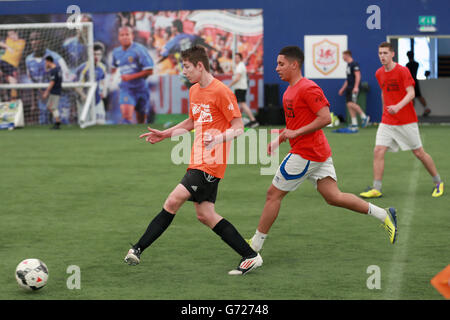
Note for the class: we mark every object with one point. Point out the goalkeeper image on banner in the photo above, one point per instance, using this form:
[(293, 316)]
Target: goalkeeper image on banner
[(307, 112), (135, 65), (53, 91), (215, 116)]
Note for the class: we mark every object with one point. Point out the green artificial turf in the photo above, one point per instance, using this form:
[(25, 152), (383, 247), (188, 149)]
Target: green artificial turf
[(81, 196)]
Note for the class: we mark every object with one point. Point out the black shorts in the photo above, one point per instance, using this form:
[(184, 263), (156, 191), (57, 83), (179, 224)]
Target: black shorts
[(349, 97), (240, 94), (7, 69), (201, 185), (417, 92)]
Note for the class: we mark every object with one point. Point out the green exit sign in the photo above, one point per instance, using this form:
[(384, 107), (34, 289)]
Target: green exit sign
[(427, 20)]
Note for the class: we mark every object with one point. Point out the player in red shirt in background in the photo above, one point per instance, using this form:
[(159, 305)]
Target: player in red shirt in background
[(398, 127), (307, 112)]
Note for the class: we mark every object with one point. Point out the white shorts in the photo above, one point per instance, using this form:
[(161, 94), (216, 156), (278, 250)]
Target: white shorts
[(294, 170), (405, 137), (53, 102)]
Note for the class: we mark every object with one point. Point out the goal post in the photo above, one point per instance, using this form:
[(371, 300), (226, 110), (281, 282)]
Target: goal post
[(23, 48)]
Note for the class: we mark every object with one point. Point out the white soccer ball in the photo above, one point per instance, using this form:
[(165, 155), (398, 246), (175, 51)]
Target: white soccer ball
[(32, 274)]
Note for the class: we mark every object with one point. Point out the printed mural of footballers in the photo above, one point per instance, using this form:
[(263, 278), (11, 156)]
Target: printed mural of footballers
[(135, 65)]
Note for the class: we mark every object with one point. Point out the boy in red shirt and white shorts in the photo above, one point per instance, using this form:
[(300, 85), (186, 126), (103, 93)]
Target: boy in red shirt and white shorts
[(306, 113), (398, 127)]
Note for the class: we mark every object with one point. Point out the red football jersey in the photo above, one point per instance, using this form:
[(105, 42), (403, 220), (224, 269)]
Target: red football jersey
[(393, 84), (301, 102)]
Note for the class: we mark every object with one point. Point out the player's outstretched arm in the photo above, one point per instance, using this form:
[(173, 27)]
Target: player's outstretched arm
[(154, 135)]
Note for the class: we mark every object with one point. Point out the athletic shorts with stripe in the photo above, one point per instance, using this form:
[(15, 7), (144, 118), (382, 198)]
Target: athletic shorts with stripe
[(294, 170)]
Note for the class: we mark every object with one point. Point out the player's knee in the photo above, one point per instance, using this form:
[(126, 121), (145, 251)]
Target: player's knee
[(420, 153), (378, 152), (172, 204), (273, 195), (203, 218)]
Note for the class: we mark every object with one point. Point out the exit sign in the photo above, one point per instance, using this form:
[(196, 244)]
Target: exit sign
[(427, 20)]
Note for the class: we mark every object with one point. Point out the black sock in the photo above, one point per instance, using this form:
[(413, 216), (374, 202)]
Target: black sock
[(231, 236), (156, 227)]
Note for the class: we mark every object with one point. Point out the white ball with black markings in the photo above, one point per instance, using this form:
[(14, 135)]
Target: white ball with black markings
[(32, 274)]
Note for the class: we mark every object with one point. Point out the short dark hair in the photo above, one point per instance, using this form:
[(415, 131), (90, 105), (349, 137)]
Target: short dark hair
[(293, 53), (239, 54), (99, 46), (348, 52), (49, 58), (386, 45), (410, 54), (195, 55)]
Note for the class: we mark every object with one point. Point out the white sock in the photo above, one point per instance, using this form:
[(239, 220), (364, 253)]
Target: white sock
[(363, 115), (258, 240), (377, 212), (354, 121)]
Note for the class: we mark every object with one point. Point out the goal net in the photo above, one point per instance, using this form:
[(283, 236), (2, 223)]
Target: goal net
[(24, 78)]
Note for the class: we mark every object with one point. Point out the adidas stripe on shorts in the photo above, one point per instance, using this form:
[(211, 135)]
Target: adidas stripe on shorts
[(294, 170)]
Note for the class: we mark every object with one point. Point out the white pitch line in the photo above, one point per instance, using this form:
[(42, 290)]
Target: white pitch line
[(405, 217)]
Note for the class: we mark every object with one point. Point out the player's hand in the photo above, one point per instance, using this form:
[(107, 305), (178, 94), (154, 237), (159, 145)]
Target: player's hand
[(44, 95), (210, 141), (126, 77), (272, 146), (288, 134), (341, 91), (355, 90), (153, 136), (393, 109)]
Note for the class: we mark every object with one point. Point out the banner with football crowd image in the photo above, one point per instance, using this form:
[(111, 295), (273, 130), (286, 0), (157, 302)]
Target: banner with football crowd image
[(162, 34)]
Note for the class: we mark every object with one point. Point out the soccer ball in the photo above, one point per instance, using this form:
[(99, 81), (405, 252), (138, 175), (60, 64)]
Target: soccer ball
[(32, 274)]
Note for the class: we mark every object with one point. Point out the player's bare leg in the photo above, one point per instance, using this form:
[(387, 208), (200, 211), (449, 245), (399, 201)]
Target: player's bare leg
[(176, 199), (428, 163), (378, 162), (378, 169), (207, 214), (127, 111), (329, 190), (269, 215), (271, 208), (426, 160)]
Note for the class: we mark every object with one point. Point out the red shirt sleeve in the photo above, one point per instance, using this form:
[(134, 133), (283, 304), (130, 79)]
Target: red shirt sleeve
[(407, 78), (315, 99)]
